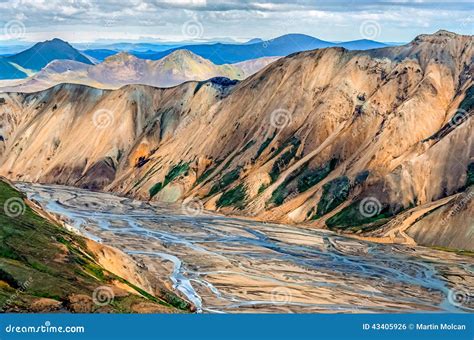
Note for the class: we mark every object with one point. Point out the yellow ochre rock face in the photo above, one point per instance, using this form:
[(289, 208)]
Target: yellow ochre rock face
[(366, 142)]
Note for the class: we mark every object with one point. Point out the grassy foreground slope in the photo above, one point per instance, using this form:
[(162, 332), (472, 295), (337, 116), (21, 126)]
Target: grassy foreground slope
[(46, 268)]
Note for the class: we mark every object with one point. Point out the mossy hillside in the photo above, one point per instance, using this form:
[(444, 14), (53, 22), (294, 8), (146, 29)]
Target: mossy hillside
[(208, 172), (279, 194), (470, 175), (285, 189), (313, 176), (284, 160), (334, 193), (226, 180), (47, 261), (467, 103), (351, 219), (300, 181), (233, 197), (263, 146), (155, 189), (177, 170)]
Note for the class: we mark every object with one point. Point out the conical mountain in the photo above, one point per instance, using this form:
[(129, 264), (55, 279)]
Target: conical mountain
[(41, 54)]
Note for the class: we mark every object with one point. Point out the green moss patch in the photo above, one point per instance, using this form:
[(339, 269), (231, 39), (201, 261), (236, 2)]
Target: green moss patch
[(282, 162), (233, 197), (470, 175), (334, 193), (467, 103), (313, 177), (264, 145), (175, 171), (226, 180), (350, 218)]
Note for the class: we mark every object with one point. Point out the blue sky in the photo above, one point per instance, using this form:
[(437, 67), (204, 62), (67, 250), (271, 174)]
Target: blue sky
[(196, 20)]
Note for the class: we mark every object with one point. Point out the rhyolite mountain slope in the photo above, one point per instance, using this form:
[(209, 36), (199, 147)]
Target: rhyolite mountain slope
[(369, 142), (42, 53), (125, 69)]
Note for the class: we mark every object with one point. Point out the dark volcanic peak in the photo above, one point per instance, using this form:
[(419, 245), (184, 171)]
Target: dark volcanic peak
[(42, 53)]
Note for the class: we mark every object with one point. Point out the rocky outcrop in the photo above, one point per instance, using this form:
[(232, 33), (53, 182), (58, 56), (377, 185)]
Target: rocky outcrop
[(346, 140)]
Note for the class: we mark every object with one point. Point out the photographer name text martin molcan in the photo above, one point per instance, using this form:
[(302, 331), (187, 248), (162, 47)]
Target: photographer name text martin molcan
[(440, 327)]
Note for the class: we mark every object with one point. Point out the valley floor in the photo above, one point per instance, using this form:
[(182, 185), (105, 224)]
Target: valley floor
[(225, 264)]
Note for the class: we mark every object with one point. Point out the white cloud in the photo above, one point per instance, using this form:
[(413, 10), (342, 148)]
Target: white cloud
[(331, 20)]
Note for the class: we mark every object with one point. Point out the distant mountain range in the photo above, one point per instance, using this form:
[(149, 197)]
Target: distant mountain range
[(256, 48), (35, 58), (125, 69), (228, 53)]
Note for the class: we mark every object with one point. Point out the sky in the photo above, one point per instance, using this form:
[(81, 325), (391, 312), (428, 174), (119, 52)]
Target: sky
[(82, 21)]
